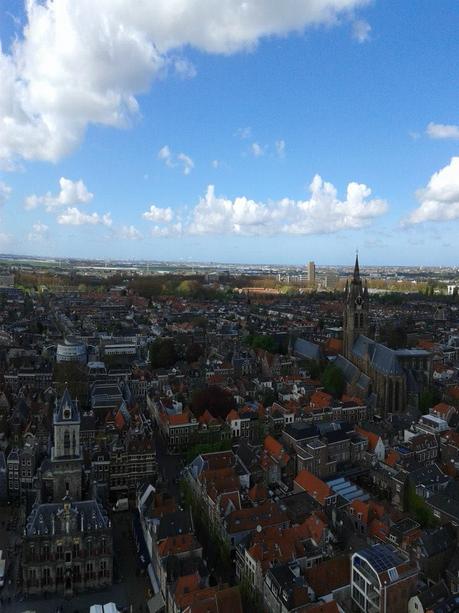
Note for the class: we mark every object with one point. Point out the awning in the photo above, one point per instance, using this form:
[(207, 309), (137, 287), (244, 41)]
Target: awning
[(156, 603), (153, 579), (142, 548)]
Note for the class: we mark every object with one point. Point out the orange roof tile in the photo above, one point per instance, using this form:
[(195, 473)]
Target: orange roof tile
[(371, 437), (320, 399), (443, 409), (178, 420), (232, 415), (314, 486), (392, 458), (329, 576)]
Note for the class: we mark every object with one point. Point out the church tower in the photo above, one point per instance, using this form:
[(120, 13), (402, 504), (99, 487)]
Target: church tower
[(355, 310), (66, 457)]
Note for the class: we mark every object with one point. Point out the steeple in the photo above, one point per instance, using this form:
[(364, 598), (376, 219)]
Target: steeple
[(355, 320), (356, 268)]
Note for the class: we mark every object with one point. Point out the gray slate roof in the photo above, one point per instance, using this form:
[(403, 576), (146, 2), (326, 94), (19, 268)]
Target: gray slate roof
[(382, 358), (305, 349), (48, 519), (64, 403)]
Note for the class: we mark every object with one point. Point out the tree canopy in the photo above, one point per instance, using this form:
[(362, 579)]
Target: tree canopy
[(333, 381), (163, 353), (215, 399)]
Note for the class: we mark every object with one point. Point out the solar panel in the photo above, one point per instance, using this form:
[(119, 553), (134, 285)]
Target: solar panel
[(381, 557)]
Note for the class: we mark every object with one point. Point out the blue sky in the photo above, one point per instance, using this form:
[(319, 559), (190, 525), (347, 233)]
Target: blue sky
[(349, 97)]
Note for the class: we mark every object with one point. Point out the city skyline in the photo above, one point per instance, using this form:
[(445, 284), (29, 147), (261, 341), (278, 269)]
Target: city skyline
[(287, 136)]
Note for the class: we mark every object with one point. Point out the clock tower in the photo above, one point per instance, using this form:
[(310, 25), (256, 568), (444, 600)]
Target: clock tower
[(355, 310)]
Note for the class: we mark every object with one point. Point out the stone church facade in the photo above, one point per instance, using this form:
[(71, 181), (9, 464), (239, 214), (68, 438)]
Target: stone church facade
[(393, 378)]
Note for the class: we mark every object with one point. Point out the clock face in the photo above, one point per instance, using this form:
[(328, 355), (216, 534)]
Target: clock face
[(358, 301)]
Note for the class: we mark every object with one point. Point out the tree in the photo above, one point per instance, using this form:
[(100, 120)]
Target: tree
[(417, 506), (429, 398), (395, 336), (162, 353), (333, 381), (215, 399), (268, 397), (193, 353), (263, 341)]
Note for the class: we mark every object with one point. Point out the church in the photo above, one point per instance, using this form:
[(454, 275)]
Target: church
[(392, 379)]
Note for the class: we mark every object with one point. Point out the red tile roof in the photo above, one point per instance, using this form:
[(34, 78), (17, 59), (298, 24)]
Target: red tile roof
[(321, 399), (314, 486), (371, 437), (329, 576)]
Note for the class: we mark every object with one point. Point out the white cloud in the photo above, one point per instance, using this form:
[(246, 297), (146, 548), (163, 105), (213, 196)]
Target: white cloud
[(323, 213), (172, 161), (257, 150), (439, 200), (244, 133), (39, 232), (5, 192), (115, 52), (165, 155), (187, 163), (361, 31), (184, 68), (167, 231), (216, 163), (71, 193), (442, 131), (74, 217), (280, 148), (130, 233), (158, 214)]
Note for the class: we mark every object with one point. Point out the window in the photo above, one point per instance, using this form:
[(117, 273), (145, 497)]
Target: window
[(66, 443)]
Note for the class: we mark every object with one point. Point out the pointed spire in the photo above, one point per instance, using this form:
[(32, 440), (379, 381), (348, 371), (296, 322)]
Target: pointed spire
[(356, 267)]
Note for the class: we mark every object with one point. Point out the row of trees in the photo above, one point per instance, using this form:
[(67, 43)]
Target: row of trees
[(164, 353)]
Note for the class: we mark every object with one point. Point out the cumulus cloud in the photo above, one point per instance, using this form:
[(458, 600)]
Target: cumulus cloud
[(439, 200), (130, 233), (115, 52), (74, 217), (257, 150), (165, 155), (71, 193), (158, 214), (184, 68), (361, 31), (5, 192), (172, 161), (280, 148), (187, 163), (167, 231), (39, 232), (442, 131), (244, 133), (322, 213)]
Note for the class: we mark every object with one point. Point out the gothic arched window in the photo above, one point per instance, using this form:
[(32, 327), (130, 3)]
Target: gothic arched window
[(66, 443)]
